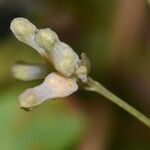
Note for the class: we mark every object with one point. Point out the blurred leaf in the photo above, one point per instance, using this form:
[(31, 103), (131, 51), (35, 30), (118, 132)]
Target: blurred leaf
[(49, 127)]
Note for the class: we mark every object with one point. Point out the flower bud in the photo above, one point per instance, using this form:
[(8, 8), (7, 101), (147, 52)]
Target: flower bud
[(29, 71), (46, 38), (25, 31), (83, 67), (81, 73), (22, 28), (63, 57), (54, 86)]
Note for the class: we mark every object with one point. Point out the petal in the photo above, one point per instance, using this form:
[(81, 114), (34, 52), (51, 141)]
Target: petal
[(29, 71), (54, 86)]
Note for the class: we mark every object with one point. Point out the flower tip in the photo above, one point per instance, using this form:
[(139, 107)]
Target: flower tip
[(28, 100), (46, 38), (22, 28)]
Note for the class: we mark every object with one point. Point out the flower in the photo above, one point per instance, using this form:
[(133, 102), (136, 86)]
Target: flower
[(54, 86), (67, 63)]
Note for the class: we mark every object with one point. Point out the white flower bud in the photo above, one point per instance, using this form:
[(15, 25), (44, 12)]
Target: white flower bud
[(29, 71), (63, 57), (22, 29), (46, 38), (54, 86)]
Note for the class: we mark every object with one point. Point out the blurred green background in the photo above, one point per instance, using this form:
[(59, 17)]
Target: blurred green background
[(115, 34)]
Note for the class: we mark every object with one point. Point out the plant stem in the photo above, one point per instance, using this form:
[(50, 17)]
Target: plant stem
[(100, 89)]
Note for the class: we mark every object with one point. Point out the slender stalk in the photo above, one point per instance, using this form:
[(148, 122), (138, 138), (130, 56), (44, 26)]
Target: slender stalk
[(100, 89)]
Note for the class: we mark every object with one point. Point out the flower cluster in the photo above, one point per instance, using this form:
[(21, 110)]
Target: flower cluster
[(70, 68)]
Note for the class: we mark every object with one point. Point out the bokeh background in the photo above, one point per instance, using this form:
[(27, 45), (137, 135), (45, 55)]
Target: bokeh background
[(115, 34)]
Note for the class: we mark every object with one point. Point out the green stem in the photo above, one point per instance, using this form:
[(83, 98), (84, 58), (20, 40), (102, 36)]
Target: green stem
[(97, 87)]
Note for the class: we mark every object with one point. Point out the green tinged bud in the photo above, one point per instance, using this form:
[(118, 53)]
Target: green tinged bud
[(46, 38), (63, 57), (22, 29), (83, 67), (82, 73)]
